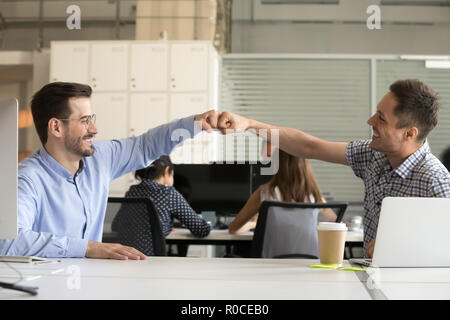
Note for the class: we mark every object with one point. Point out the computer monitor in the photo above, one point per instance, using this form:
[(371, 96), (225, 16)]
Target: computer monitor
[(223, 188), (8, 168)]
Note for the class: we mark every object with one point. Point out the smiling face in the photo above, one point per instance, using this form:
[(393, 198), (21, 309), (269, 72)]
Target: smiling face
[(386, 138), (77, 135)]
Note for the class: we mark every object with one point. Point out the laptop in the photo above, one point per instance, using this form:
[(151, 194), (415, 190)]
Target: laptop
[(412, 232)]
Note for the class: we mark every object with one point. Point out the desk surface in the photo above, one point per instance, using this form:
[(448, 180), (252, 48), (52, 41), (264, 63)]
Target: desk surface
[(175, 278), (185, 234), (412, 283)]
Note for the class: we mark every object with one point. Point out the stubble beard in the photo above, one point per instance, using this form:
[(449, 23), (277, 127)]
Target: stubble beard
[(75, 146)]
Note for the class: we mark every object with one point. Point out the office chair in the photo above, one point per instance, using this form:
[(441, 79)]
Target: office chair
[(289, 229), (130, 209)]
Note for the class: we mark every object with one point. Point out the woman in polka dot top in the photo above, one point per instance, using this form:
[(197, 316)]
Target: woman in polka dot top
[(133, 227)]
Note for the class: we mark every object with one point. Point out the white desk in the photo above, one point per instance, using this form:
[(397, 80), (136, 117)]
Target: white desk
[(174, 278), (216, 237), (412, 283), (180, 234)]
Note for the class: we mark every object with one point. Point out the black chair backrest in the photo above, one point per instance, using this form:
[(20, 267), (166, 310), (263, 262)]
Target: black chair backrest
[(158, 239), (262, 225)]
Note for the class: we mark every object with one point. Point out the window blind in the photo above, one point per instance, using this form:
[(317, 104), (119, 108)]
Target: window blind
[(328, 98)]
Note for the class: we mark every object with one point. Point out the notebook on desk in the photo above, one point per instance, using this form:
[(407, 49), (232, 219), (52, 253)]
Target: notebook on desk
[(412, 232), (22, 259)]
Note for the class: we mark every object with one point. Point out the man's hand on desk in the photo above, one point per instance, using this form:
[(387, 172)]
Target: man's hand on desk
[(116, 251)]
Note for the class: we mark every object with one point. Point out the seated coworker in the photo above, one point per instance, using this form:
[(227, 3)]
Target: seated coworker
[(294, 181), (157, 184), (62, 189)]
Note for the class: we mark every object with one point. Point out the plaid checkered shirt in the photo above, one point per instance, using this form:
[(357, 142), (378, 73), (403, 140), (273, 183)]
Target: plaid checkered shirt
[(420, 175)]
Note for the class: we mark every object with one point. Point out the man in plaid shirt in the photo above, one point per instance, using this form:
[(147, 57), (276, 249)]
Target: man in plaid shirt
[(396, 162)]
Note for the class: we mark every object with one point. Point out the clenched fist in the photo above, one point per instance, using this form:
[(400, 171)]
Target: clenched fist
[(208, 120), (226, 122), (232, 121)]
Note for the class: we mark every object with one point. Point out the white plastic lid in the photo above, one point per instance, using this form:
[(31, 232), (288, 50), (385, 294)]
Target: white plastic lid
[(332, 226)]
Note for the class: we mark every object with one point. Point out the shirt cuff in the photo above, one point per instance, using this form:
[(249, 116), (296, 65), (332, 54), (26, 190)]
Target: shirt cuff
[(188, 123), (76, 248)]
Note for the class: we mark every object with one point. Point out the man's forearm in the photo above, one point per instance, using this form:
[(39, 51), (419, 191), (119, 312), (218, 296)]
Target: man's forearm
[(43, 244), (291, 140)]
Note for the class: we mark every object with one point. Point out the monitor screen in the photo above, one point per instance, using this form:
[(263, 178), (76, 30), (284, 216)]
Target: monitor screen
[(8, 168), (223, 188)]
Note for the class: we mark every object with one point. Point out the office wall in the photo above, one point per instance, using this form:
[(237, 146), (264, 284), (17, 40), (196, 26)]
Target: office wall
[(25, 37), (339, 29), (285, 37), (255, 29), (20, 26)]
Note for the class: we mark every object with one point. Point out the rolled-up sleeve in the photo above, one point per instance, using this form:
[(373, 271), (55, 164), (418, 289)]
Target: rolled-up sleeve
[(359, 155), (43, 244)]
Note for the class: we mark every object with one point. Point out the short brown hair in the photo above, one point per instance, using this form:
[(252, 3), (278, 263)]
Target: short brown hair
[(418, 105), (51, 101)]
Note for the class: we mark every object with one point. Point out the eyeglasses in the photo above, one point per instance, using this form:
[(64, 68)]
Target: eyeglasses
[(86, 120)]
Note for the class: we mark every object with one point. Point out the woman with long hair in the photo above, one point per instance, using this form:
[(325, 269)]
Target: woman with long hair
[(294, 182)]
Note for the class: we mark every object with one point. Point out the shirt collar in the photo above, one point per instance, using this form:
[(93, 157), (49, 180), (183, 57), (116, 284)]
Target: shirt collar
[(406, 167), (56, 166), (381, 163)]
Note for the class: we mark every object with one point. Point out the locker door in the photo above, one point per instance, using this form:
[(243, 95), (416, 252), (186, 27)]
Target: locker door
[(148, 67), (189, 67), (147, 111), (111, 111), (69, 62), (109, 67)]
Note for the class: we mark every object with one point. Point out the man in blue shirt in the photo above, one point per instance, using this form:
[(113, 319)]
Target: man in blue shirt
[(396, 162), (63, 187)]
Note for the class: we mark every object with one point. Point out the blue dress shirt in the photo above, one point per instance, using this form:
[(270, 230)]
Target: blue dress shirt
[(57, 213)]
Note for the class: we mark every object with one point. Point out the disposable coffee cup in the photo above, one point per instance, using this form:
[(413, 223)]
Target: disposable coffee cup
[(331, 242)]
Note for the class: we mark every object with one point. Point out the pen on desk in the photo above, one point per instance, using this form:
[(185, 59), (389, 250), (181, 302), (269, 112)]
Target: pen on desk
[(57, 271), (48, 262)]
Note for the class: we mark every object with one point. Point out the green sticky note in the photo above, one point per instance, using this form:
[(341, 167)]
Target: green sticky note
[(323, 266), (331, 266), (351, 269)]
